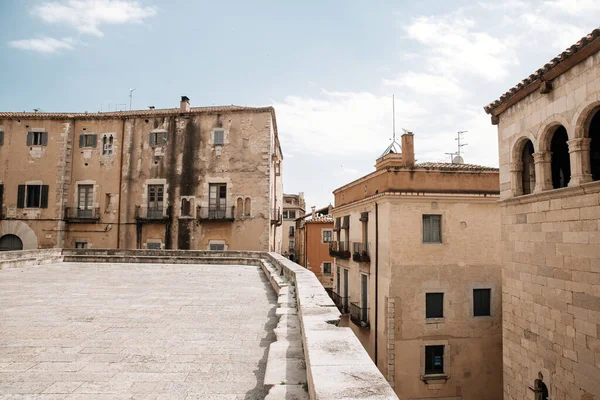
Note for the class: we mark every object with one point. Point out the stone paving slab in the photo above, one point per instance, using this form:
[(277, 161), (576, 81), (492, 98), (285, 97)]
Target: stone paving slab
[(135, 331)]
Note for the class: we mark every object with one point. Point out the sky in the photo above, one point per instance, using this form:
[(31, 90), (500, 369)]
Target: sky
[(329, 67)]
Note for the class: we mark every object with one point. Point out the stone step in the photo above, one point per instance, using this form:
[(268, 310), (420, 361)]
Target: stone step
[(287, 392)]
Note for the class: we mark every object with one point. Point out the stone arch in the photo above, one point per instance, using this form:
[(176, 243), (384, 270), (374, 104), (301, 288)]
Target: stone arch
[(10, 242), (22, 230), (524, 166), (247, 206), (239, 207), (547, 129), (587, 130), (584, 114)]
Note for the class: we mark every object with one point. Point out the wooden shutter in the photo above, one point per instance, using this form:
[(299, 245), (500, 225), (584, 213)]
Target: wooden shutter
[(44, 138), (1, 138), (152, 139), (94, 140), (21, 196), (44, 201), (1, 197), (29, 138), (81, 141)]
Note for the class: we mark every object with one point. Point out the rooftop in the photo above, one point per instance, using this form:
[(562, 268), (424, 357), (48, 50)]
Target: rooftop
[(579, 51), (320, 219)]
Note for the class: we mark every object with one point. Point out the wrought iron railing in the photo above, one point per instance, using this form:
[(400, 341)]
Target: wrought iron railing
[(151, 214), (75, 214), (215, 214), (360, 316), (339, 250), (360, 252), (276, 217), (340, 302)]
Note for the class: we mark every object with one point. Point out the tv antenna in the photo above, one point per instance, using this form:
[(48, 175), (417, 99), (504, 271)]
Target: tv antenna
[(130, 97), (394, 147), (456, 157)]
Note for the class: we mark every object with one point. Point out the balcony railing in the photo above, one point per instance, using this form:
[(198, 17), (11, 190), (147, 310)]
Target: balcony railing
[(340, 302), (85, 215), (215, 214), (151, 214), (360, 252), (339, 250), (276, 217), (360, 316)]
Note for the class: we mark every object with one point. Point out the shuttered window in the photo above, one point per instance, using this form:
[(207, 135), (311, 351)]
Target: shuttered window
[(434, 360), (37, 138), (434, 305), (88, 140), (158, 138), (1, 138), (32, 196), (432, 229), (219, 137), (482, 302), (1, 198)]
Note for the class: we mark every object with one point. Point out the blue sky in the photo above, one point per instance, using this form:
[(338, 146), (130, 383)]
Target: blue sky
[(329, 67)]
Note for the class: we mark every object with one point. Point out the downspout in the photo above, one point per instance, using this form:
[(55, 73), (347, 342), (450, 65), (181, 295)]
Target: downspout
[(376, 274), (120, 189)]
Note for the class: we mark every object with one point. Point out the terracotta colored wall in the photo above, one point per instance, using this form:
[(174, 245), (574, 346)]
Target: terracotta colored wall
[(318, 252)]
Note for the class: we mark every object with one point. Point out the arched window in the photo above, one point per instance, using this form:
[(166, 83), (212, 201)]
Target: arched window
[(240, 207), (247, 206), (594, 135), (528, 174), (10, 243), (561, 165)]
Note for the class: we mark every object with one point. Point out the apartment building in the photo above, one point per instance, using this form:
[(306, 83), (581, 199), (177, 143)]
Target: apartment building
[(182, 178), (294, 206), (417, 271), (314, 233), (549, 141)]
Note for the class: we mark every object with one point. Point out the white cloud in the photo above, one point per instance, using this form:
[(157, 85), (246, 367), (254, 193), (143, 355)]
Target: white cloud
[(340, 122), (447, 87), (573, 7), (88, 15), (454, 45), (44, 44)]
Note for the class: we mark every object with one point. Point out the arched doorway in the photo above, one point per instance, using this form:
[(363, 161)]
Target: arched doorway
[(594, 135), (10, 243), (561, 163)]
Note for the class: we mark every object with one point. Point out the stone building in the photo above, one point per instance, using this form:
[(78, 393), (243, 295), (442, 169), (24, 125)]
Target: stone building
[(549, 141), (294, 206), (417, 271), (314, 232), (182, 178)]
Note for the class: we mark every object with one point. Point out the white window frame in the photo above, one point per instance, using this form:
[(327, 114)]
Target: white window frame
[(323, 235), (217, 242)]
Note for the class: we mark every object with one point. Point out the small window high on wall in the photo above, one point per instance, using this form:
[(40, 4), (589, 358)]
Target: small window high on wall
[(561, 163)]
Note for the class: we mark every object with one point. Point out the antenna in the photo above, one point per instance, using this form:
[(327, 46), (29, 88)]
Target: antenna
[(130, 97), (458, 134), (394, 118)]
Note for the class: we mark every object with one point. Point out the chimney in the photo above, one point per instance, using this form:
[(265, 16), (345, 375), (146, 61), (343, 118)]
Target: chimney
[(314, 214), (408, 149), (184, 105)]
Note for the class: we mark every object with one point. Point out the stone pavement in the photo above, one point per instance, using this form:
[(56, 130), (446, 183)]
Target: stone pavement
[(134, 331)]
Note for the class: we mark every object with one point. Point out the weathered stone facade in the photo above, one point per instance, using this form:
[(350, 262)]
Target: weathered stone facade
[(381, 252), (294, 207), (549, 136), (143, 179)]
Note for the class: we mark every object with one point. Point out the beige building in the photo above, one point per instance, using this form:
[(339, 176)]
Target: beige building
[(182, 178), (417, 270), (549, 140), (314, 232), (294, 207)]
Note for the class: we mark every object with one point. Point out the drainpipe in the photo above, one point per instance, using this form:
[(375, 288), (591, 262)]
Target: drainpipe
[(376, 274), (120, 190)]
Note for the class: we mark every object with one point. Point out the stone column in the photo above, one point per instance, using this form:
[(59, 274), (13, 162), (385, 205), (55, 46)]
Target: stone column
[(516, 178), (543, 171), (579, 153)]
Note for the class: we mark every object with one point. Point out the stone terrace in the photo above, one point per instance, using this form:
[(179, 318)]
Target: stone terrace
[(83, 330)]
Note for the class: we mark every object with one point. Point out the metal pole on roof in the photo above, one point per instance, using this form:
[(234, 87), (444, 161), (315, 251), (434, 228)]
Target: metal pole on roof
[(130, 97)]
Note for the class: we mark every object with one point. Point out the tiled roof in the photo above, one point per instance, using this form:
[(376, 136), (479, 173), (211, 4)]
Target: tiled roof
[(321, 219), (135, 113), (454, 167), (539, 74)]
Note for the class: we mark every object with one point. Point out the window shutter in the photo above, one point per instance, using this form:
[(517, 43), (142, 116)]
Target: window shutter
[(21, 196), (152, 139), (1, 138), (94, 140), (81, 141), (29, 138), (44, 201), (1, 197), (44, 138)]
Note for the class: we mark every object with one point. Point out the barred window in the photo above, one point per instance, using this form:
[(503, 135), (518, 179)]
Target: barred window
[(432, 229)]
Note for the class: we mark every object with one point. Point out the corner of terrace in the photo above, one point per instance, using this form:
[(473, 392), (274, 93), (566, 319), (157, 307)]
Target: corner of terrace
[(175, 324)]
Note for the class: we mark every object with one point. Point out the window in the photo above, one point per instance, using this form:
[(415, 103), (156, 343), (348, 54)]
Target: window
[(154, 245), (219, 137), (277, 168), (292, 230), (292, 214), (186, 207), (327, 236), (528, 173), (88, 140), (292, 245), (561, 161), (594, 134), (217, 246), (434, 305), (338, 224), (432, 229), (434, 360), (326, 268), (217, 200), (247, 206), (1, 138), (158, 138), (285, 214), (85, 201), (37, 138), (482, 302), (32, 196), (81, 245), (107, 145), (1, 198), (155, 201)]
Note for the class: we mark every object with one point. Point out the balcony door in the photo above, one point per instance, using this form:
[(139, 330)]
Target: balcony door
[(364, 297), (156, 195), (345, 295), (85, 202), (217, 200)]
